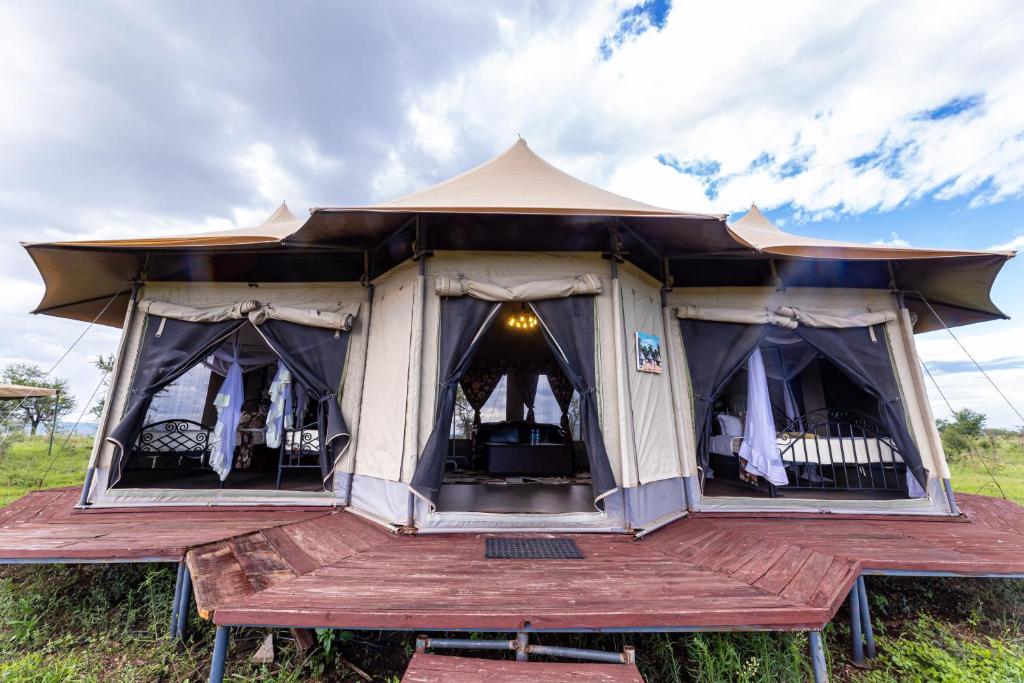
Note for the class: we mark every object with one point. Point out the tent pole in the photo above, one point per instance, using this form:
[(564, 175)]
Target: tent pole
[(115, 372), (368, 284), (865, 619), (420, 254), (818, 665), (53, 425), (220, 654), (621, 381)]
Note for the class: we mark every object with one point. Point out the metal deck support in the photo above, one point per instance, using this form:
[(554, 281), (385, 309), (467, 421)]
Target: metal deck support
[(865, 620), (220, 654), (522, 642), (856, 634), (176, 603), (184, 602), (818, 665)]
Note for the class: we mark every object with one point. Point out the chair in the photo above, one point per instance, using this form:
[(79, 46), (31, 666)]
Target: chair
[(298, 446)]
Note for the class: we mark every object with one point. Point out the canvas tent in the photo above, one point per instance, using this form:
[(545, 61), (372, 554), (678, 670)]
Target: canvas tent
[(420, 279)]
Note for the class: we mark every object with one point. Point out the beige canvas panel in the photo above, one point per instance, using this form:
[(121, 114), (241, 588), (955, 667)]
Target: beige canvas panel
[(120, 385), (682, 395), (654, 446), (834, 300), (380, 443), (511, 268)]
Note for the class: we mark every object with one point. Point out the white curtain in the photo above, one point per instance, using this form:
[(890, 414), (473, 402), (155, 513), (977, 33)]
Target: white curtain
[(759, 448), (279, 417), (229, 410)]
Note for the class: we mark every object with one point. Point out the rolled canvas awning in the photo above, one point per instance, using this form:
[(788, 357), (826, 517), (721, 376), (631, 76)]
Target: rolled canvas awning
[(537, 290), (15, 391), (514, 201), (339, 318)]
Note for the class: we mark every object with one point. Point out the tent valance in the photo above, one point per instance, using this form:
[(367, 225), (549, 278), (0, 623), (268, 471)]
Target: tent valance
[(257, 312), (587, 283), (789, 317)]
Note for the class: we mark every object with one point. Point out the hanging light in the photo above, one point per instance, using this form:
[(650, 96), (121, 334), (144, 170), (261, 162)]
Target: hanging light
[(523, 319)]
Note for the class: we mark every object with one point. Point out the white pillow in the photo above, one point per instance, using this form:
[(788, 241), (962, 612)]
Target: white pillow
[(730, 424)]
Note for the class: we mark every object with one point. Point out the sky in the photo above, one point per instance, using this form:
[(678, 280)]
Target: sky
[(871, 121)]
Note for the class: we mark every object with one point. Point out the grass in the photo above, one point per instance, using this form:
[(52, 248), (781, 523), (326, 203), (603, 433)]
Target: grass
[(109, 623)]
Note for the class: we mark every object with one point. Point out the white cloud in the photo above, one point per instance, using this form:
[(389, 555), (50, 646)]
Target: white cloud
[(1015, 244), (894, 240), (765, 81)]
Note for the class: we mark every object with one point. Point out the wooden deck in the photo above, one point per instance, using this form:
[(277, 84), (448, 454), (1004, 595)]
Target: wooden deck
[(327, 568), (45, 527), (430, 668)]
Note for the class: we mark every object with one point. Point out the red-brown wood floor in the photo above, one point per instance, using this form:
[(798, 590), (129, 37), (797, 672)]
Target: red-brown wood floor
[(327, 568)]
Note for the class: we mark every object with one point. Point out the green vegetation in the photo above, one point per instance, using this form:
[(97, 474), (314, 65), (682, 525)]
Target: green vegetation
[(109, 623)]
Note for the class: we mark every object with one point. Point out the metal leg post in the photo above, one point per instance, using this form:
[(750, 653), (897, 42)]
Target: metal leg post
[(856, 635), (176, 603), (220, 654), (818, 666), (522, 640), (185, 603), (865, 620)]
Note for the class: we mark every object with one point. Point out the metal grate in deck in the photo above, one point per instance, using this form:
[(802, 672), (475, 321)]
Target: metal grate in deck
[(532, 549)]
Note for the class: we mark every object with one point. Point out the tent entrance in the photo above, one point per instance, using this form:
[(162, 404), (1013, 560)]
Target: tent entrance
[(232, 405), (515, 443), (800, 413)]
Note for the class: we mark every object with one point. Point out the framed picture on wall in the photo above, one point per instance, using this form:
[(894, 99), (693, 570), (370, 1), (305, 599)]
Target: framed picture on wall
[(648, 353)]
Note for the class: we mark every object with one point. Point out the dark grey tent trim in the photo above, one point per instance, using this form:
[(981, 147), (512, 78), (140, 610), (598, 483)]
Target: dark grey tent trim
[(568, 326), (463, 322)]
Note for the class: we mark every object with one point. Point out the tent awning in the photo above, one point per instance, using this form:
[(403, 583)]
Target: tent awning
[(15, 391), (516, 201)]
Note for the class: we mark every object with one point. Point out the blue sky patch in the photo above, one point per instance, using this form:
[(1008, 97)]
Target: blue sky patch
[(636, 21), (954, 107)]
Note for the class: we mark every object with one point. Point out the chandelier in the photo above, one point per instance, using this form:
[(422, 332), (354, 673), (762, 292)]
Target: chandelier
[(524, 319)]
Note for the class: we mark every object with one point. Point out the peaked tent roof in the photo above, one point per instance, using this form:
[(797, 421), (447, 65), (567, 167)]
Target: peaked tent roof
[(519, 181), (516, 194)]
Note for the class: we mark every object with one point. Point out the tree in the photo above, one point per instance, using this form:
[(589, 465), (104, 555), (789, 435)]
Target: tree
[(32, 412), (104, 364), (958, 434), (462, 426)]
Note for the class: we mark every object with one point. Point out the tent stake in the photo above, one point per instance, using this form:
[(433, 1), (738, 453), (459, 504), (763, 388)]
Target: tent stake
[(818, 666), (856, 635), (220, 654), (865, 619), (176, 604)]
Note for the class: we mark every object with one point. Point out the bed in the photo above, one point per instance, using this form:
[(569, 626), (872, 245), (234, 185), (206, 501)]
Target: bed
[(825, 449)]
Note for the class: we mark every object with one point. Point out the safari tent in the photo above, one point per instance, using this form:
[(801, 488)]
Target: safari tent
[(516, 349)]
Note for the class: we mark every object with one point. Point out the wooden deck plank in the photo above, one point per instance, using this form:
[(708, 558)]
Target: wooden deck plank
[(433, 668)]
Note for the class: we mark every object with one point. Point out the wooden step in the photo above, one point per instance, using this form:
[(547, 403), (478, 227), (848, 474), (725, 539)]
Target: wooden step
[(431, 668)]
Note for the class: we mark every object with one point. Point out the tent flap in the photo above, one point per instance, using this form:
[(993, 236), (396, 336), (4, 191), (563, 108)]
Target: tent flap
[(529, 291), (256, 312)]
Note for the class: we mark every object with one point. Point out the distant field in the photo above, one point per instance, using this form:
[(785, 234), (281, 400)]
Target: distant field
[(997, 469), (24, 461)]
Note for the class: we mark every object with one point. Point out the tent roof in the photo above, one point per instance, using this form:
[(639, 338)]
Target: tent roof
[(519, 181), (756, 231), (515, 201), (9, 391)]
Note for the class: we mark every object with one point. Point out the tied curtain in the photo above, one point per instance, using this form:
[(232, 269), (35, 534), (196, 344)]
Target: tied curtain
[(562, 390), (478, 383), (569, 329), (526, 375), (315, 356), (862, 354), (462, 324), (715, 351), (169, 349), (760, 446)]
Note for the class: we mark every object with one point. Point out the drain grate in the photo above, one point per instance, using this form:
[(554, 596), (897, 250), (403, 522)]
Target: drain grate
[(532, 549)]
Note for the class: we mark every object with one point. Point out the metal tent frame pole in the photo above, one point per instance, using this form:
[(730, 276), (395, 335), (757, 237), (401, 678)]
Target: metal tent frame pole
[(865, 620), (184, 607), (176, 603), (220, 654), (819, 667), (856, 633)]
